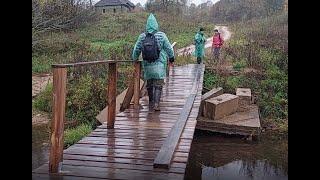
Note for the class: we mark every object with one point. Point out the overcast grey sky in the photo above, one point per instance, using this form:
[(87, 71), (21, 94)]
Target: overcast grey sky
[(142, 2)]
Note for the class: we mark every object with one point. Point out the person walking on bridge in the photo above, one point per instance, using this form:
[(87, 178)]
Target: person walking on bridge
[(199, 41), (155, 48)]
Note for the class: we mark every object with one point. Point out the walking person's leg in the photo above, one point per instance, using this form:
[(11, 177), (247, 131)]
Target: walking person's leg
[(218, 55), (158, 83), (212, 52), (215, 54), (212, 59), (150, 89), (215, 59), (198, 60)]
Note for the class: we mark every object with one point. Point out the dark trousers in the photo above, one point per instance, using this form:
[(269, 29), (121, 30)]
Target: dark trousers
[(216, 52), (154, 87), (199, 60)]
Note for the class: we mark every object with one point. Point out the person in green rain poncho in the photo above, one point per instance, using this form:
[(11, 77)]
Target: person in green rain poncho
[(155, 71), (199, 41)]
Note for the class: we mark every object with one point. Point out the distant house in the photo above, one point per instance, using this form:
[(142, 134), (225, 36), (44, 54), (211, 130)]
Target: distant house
[(107, 6)]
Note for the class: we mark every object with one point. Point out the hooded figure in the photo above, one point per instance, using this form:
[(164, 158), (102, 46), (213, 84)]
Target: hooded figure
[(154, 72), (199, 40), (217, 42)]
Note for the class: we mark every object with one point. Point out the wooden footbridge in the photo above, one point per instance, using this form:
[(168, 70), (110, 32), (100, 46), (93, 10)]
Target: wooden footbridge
[(133, 144)]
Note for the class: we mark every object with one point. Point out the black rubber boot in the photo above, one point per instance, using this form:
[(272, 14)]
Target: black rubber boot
[(157, 96), (151, 97), (199, 60)]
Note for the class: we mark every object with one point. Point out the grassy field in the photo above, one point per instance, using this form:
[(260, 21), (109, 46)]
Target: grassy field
[(262, 45), (111, 37)]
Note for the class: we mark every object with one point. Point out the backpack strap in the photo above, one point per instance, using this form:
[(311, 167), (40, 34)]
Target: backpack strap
[(220, 40)]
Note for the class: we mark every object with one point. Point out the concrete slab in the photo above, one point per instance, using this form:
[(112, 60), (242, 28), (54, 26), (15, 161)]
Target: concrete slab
[(220, 106), (212, 93), (242, 123)]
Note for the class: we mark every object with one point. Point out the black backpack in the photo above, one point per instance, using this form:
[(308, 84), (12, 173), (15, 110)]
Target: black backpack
[(150, 50)]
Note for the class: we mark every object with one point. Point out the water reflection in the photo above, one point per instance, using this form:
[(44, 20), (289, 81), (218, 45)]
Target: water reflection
[(40, 147), (218, 157), (211, 157), (240, 171)]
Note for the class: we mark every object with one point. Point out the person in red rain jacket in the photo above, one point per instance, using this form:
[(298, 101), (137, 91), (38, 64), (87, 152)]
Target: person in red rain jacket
[(217, 42)]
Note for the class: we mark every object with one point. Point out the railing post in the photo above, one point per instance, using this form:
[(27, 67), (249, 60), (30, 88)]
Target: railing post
[(112, 94), (173, 45), (136, 93), (57, 124)]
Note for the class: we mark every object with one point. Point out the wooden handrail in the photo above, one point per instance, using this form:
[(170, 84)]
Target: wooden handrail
[(97, 62), (59, 101), (86, 63)]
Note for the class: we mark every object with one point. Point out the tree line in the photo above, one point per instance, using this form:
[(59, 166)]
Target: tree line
[(220, 12)]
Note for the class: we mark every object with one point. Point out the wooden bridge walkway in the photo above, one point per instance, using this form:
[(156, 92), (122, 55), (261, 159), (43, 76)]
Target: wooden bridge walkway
[(141, 142)]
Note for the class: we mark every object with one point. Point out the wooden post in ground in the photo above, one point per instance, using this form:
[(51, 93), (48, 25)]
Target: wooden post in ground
[(136, 93), (57, 124), (112, 94)]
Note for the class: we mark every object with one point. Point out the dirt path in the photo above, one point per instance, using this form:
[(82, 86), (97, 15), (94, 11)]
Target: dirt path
[(226, 66), (39, 83), (39, 118), (225, 33)]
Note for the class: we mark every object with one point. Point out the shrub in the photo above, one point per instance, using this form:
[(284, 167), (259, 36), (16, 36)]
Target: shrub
[(43, 101), (86, 98), (239, 65), (73, 135)]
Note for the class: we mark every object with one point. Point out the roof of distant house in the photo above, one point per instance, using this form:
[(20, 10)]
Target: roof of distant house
[(114, 3)]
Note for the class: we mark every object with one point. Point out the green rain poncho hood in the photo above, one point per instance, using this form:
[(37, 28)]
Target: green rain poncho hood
[(152, 24), (199, 40)]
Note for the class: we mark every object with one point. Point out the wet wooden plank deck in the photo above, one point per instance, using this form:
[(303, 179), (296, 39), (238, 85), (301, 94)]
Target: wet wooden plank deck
[(128, 151)]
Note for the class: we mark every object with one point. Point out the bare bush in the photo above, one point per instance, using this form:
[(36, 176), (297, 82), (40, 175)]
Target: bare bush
[(59, 15)]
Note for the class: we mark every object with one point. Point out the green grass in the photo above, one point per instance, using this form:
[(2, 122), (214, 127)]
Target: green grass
[(260, 44), (41, 64), (239, 65), (112, 37), (183, 60), (43, 102), (211, 80), (73, 135), (233, 82)]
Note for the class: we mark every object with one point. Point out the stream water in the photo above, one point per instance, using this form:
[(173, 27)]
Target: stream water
[(40, 145), (211, 157), (218, 157)]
